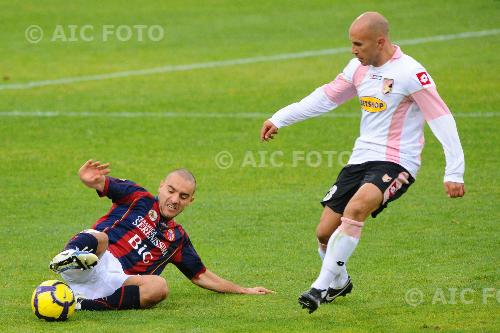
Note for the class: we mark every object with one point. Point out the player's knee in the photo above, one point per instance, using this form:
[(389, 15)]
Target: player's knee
[(162, 289), (101, 237), (322, 235), (357, 210), (102, 242), (153, 292), (159, 289)]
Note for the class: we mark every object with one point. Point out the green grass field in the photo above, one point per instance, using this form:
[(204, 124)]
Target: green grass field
[(251, 224)]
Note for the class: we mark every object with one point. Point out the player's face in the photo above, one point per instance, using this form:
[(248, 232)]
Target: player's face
[(175, 194), (365, 46)]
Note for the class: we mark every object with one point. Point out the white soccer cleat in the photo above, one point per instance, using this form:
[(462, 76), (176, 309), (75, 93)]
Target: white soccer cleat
[(73, 259)]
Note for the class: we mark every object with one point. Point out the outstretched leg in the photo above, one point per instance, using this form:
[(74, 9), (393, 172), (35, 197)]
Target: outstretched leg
[(81, 252), (342, 244)]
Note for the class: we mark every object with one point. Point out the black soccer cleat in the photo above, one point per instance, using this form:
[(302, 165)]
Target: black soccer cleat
[(311, 299), (332, 294)]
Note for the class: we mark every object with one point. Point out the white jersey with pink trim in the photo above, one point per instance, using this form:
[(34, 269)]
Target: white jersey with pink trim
[(396, 100)]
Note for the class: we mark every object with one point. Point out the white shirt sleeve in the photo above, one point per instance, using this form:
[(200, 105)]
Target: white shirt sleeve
[(321, 100), (313, 105), (445, 130), (443, 126)]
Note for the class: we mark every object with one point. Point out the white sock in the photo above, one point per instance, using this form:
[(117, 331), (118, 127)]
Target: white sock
[(340, 280), (339, 249), (322, 252)]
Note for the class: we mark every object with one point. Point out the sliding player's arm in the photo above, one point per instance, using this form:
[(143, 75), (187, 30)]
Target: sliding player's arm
[(189, 263), (211, 281), (94, 174)]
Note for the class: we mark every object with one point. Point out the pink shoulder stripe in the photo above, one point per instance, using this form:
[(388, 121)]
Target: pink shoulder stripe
[(339, 90), (430, 103)]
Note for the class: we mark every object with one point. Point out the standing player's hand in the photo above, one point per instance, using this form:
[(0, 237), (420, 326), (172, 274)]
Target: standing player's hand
[(92, 174), (454, 190), (258, 291), (268, 131)]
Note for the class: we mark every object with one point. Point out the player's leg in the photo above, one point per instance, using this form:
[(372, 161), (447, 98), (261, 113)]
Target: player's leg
[(366, 200), (152, 289), (328, 223), (383, 182), (340, 247), (137, 292), (335, 201), (372, 197), (81, 252)]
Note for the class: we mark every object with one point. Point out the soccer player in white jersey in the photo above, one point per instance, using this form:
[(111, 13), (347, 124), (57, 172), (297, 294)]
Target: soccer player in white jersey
[(397, 96)]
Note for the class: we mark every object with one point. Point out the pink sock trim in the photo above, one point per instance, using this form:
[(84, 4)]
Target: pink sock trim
[(351, 227)]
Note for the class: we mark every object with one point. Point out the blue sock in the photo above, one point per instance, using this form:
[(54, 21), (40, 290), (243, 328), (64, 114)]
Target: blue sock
[(83, 241), (124, 298)]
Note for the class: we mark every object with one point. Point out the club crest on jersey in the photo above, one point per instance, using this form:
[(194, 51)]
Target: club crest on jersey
[(386, 178), (372, 104), (153, 215), (170, 235), (388, 83), (423, 78)]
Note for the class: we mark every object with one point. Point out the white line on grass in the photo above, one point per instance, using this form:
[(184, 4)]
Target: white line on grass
[(232, 62), (227, 115)]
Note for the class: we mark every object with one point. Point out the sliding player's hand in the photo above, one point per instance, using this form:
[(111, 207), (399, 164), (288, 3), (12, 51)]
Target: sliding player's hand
[(92, 174), (257, 291)]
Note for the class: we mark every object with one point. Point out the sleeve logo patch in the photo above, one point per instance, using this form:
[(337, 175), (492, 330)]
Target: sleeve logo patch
[(423, 78)]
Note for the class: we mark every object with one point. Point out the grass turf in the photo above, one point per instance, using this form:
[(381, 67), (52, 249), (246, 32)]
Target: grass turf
[(253, 225)]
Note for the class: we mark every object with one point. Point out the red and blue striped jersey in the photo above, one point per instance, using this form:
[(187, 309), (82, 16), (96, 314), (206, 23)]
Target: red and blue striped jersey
[(139, 237)]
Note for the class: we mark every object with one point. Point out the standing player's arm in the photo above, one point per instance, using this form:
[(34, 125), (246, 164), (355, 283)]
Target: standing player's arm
[(443, 126), (320, 101), (211, 281), (93, 174)]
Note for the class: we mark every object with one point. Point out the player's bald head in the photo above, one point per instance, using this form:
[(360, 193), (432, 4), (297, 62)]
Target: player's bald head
[(184, 174), (372, 23)]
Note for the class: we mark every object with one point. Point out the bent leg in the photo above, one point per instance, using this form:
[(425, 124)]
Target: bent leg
[(343, 242), (367, 199), (137, 292), (82, 252), (152, 289), (89, 240)]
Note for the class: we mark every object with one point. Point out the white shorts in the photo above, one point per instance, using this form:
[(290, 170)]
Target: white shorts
[(100, 281)]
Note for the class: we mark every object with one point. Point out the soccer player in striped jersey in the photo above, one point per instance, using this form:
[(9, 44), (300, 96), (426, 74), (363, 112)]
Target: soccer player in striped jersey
[(117, 264), (397, 96)]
